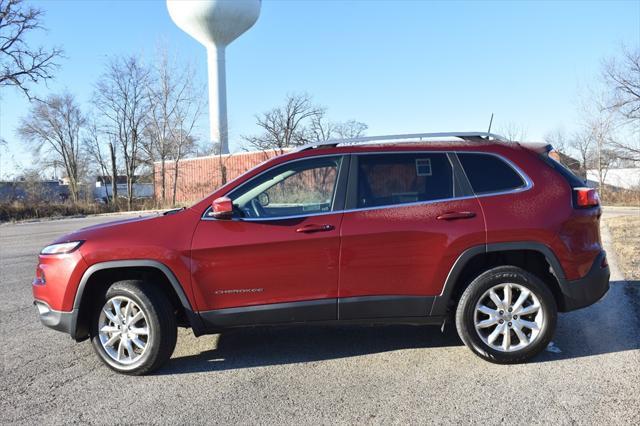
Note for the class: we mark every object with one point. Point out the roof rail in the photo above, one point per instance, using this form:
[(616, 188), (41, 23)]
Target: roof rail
[(407, 138)]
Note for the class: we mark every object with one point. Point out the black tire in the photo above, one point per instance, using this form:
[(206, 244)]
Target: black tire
[(160, 319), (466, 311)]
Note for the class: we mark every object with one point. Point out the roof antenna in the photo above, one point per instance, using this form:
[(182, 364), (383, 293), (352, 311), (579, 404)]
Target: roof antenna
[(490, 123)]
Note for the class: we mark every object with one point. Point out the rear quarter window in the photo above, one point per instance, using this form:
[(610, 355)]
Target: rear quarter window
[(573, 180), (489, 173)]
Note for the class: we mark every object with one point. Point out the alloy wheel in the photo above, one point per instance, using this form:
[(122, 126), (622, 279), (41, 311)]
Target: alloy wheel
[(123, 330), (508, 317)]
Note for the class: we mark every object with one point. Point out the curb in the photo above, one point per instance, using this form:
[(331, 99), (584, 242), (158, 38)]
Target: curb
[(80, 216)]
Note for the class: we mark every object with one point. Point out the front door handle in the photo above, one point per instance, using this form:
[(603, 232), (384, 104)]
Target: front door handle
[(309, 229), (456, 215)]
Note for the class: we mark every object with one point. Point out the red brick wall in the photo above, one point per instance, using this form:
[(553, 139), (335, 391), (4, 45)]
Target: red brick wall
[(198, 177)]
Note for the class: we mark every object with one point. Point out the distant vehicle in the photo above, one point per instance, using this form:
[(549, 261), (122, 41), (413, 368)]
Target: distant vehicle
[(394, 229)]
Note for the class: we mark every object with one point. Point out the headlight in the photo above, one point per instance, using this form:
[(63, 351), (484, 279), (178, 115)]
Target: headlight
[(61, 248)]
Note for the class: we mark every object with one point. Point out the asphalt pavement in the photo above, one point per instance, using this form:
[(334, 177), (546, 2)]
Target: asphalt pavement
[(316, 375)]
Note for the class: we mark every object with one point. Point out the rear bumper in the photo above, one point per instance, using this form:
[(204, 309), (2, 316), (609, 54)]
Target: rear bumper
[(589, 289), (57, 320)]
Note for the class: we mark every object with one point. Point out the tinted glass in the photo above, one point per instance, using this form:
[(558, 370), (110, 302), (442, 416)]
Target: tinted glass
[(488, 173), (573, 180), (386, 179), (293, 189)]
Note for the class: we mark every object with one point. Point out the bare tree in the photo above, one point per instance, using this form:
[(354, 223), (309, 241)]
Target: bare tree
[(601, 162), (121, 97), (20, 64), (186, 115), (350, 129), (622, 80), (319, 128), (600, 128), (297, 122), (322, 129), (582, 143), (513, 132), (175, 106), (558, 139), (94, 147), (158, 144), (284, 126), (54, 126)]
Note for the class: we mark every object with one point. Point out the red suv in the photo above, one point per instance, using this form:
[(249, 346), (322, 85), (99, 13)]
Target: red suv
[(392, 229)]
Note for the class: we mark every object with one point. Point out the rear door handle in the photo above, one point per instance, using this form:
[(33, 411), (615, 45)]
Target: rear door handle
[(456, 215), (309, 229)]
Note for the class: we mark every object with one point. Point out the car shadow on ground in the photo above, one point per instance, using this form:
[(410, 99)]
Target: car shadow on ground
[(265, 346), (609, 326), (590, 331)]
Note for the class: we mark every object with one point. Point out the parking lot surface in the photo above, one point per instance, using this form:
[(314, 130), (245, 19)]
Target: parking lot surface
[(311, 375)]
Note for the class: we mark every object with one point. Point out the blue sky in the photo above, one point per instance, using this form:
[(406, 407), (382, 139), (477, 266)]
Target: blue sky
[(398, 66)]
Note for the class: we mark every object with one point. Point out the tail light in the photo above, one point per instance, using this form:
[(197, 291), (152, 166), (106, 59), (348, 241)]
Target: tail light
[(586, 197)]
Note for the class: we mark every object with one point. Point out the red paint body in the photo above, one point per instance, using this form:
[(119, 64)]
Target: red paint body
[(405, 250), (399, 250)]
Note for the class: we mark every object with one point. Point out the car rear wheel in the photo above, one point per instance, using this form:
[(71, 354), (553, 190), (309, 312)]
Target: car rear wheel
[(133, 329), (506, 315)]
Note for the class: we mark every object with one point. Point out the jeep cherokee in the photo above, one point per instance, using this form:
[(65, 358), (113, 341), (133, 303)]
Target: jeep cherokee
[(497, 235)]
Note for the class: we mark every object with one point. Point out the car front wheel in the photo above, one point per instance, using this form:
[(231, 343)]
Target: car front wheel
[(506, 315), (133, 329)]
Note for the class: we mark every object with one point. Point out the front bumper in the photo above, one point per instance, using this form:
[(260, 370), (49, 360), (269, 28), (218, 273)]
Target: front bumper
[(57, 320), (589, 289)]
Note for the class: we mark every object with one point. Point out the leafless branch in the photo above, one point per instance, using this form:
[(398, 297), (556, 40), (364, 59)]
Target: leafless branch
[(284, 126), (22, 65)]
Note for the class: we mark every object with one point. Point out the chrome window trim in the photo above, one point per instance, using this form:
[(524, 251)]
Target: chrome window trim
[(528, 184)]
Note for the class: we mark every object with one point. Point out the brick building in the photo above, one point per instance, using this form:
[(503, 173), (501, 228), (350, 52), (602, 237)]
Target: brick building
[(198, 177)]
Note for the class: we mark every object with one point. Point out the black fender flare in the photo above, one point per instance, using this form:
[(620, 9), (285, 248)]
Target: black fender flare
[(441, 302), (193, 318)]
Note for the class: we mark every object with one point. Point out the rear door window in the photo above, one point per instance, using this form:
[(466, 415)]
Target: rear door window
[(389, 179), (489, 173)]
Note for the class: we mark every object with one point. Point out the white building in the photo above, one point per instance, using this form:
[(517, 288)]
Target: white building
[(627, 178)]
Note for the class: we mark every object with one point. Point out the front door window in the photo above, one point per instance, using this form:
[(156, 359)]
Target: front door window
[(293, 189)]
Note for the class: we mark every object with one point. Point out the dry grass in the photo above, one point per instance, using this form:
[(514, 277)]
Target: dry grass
[(17, 210), (625, 231), (625, 197)]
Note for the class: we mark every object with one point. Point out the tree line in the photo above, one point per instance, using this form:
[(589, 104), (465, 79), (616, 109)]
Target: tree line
[(608, 131), (141, 113)]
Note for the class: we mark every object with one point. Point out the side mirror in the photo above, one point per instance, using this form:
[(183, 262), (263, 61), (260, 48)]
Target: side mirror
[(222, 208)]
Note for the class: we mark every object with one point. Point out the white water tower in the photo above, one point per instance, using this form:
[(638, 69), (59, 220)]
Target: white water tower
[(215, 24)]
